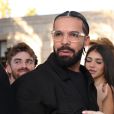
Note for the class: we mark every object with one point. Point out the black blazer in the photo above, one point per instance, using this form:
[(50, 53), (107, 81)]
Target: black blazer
[(49, 90), (6, 98)]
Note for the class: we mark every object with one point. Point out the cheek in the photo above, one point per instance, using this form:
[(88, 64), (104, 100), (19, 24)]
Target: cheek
[(56, 45), (101, 69), (77, 45), (14, 66), (86, 64), (31, 67)]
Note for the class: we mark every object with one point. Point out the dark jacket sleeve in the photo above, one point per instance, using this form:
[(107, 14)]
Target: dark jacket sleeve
[(26, 97), (32, 94)]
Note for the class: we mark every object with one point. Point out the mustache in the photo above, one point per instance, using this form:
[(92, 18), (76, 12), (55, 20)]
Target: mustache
[(65, 48), (23, 69)]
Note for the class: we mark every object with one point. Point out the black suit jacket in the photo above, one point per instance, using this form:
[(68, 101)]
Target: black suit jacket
[(49, 90), (6, 97)]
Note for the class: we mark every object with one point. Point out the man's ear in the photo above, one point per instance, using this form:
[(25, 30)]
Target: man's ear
[(8, 68), (87, 41)]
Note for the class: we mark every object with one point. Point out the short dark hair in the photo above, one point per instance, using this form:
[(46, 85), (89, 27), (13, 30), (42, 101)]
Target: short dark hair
[(77, 15), (20, 47)]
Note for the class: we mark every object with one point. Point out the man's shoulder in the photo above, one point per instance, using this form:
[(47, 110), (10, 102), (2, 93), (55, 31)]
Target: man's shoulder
[(84, 70), (37, 80), (38, 75)]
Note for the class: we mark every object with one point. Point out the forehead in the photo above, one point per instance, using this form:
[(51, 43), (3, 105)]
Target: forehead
[(68, 22), (22, 55), (95, 54)]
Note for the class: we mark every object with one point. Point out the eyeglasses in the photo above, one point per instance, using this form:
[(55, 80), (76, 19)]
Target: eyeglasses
[(73, 36)]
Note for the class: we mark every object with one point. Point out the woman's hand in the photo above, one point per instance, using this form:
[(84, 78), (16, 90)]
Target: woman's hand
[(92, 112)]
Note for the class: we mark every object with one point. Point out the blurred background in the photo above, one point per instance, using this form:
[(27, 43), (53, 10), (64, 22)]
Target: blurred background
[(30, 21)]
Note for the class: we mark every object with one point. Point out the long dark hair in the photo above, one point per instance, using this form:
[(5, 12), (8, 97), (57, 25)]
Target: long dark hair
[(108, 59)]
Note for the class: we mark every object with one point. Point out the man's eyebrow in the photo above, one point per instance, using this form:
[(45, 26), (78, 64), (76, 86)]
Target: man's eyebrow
[(31, 59), (17, 59)]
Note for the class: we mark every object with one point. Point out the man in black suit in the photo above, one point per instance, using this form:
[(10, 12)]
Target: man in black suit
[(6, 97), (60, 85)]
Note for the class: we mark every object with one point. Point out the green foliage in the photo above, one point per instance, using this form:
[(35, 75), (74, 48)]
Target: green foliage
[(5, 10), (31, 12)]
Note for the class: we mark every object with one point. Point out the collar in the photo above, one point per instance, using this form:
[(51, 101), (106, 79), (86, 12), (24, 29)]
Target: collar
[(62, 72)]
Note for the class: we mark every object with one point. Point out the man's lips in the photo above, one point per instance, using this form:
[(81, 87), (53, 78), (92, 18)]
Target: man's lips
[(65, 52)]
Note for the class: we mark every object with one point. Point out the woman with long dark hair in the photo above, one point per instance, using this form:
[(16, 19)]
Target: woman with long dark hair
[(100, 63)]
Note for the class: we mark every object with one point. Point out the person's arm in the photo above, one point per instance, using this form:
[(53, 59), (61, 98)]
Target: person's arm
[(105, 98), (92, 112), (27, 99), (30, 92), (108, 104)]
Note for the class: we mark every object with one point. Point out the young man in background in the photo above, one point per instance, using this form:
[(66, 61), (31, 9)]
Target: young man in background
[(20, 60)]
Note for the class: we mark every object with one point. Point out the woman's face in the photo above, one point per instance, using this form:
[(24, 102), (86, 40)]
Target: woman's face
[(95, 64)]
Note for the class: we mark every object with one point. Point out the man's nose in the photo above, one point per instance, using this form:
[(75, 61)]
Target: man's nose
[(65, 39), (24, 64)]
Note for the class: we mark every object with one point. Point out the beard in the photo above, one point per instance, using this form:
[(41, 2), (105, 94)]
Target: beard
[(65, 61)]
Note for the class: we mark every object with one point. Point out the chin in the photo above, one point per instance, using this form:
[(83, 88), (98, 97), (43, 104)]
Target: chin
[(94, 77)]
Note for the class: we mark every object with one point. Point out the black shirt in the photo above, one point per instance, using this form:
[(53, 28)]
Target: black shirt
[(80, 84)]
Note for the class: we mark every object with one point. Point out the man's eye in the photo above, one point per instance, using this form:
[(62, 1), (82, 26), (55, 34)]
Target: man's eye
[(17, 62), (58, 34), (75, 34), (30, 62)]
